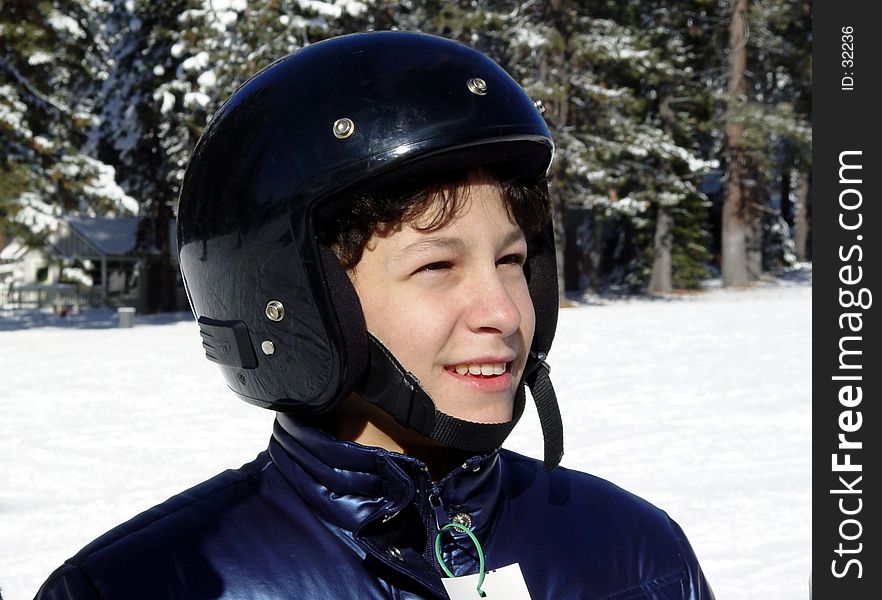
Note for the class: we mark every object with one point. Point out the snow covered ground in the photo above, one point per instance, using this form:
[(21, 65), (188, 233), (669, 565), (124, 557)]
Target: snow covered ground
[(700, 403)]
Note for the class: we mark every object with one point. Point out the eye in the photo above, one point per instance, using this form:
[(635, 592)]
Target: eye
[(515, 258), (435, 266)]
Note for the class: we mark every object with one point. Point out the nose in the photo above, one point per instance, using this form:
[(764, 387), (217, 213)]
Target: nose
[(492, 305)]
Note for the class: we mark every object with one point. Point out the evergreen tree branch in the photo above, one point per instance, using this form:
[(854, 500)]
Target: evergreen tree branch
[(44, 102)]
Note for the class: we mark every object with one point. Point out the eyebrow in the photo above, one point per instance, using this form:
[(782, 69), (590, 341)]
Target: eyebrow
[(428, 244), (450, 243)]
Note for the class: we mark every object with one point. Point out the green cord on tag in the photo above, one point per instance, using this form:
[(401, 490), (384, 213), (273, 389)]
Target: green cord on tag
[(477, 544)]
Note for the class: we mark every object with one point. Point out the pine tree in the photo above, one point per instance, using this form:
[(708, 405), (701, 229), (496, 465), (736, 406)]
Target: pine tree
[(625, 154), (780, 131), (768, 135), (634, 92), (173, 65), (50, 55)]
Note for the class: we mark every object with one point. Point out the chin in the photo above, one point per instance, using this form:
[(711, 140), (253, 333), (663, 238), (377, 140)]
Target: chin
[(490, 412)]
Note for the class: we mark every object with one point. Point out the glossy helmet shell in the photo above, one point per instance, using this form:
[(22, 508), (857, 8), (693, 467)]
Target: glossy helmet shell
[(301, 135)]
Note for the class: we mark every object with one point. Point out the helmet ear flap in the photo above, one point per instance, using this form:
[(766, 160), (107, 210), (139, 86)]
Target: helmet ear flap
[(542, 281), (351, 329)]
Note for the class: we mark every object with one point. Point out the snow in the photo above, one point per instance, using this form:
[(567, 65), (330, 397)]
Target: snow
[(40, 58), (223, 12), (12, 111), (355, 8), (629, 206), (42, 145), (76, 275), (327, 9), (13, 251), (531, 38), (207, 79), (103, 184), (61, 22), (36, 215), (334, 9), (196, 99), (168, 101), (196, 63), (668, 199), (598, 90), (225, 5), (701, 403)]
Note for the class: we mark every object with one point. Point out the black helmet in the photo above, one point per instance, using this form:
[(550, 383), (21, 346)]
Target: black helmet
[(275, 308)]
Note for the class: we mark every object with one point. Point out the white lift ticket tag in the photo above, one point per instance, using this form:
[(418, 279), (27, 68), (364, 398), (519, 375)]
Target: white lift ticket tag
[(505, 583)]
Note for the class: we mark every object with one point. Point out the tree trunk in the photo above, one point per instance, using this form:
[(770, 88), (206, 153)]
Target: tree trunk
[(660, 281), (557, 220), (736, 220), (661, 277), (560, 115), (800, 220), (157, 275), (786, 191), (594, 251), (754, 246)]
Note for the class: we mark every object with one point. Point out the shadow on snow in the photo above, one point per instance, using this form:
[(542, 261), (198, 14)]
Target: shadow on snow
[(92, 318)]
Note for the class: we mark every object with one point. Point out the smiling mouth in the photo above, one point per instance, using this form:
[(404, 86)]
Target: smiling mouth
[(479, 369)]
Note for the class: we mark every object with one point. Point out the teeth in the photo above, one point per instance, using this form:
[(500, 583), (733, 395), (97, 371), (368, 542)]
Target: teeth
[(485, 369)]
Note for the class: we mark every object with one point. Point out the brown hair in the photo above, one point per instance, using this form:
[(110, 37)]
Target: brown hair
[(385, 211)]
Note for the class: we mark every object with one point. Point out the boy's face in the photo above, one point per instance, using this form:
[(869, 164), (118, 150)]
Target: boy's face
[(452, 305)]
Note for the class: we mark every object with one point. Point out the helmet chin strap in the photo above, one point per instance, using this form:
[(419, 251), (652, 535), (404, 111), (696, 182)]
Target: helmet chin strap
[(537, 377), (390, 386)]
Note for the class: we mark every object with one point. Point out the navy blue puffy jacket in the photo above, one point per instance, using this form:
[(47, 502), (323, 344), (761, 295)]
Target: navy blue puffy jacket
[(314, 518)]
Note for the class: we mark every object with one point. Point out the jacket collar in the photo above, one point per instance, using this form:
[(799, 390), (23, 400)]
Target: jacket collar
[(350, 485)]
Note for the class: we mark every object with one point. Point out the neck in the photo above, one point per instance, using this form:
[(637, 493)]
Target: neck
[(359, 421)]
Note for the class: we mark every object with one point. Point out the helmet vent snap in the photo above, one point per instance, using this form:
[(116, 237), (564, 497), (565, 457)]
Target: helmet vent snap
[(477, 86), (343, 128), (275, 311)]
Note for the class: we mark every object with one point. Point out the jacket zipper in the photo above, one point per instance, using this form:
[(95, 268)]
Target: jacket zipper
[(435, 519), (438, 516)]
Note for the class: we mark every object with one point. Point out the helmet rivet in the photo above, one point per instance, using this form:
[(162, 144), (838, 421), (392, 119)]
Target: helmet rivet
[(275, 311), (268, 347), (343, 128), (540, 106), (477, 86)]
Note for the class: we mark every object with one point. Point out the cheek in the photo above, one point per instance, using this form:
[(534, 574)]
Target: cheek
[(384, 306), (403, 323)]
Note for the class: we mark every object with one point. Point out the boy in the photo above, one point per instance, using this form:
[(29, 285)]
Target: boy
[(365, 241)]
